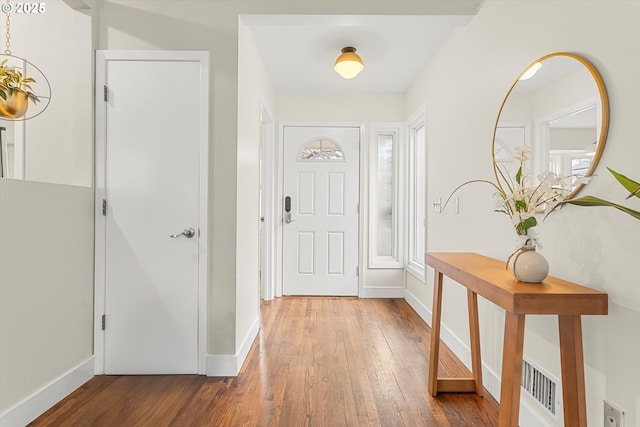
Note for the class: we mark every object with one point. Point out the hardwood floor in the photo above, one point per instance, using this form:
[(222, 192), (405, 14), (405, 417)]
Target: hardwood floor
[(325, 362)]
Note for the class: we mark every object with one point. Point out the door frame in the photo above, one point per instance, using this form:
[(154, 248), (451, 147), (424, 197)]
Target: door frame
[(280, 196), (102, 58), (269, 256)]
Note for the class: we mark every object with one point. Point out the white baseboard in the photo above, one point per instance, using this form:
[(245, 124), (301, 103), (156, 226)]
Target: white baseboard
[(418, 306), (529, 417), (229, 365), (243, 352), (381, 292), (40, 401)]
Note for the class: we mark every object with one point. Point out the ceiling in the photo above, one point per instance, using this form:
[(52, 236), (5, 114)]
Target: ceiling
[(299, 50)]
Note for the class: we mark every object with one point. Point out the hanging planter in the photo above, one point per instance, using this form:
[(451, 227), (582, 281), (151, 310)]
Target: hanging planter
[(14, 105), (25, 91)]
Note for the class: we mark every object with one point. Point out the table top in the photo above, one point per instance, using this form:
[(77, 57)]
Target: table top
[(488, 277)]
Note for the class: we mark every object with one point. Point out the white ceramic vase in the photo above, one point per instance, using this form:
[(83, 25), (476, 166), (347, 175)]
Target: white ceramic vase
[(530, 266)]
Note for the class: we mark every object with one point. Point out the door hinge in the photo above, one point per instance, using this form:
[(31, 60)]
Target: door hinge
[(106, 93), (104, 321), (358, 208), (357, 271), (104, 207)]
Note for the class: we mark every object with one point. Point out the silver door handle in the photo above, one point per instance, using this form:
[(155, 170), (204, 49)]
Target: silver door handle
[(187, 232)]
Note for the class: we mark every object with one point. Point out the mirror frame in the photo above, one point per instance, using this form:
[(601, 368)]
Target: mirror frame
[(604, 130)]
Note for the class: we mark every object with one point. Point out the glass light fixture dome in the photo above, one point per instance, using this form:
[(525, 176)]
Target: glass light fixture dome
[(531, 71), (348, 64)]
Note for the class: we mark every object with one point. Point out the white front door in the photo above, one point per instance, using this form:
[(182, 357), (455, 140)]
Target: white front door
[(152, 243), (321, 199)]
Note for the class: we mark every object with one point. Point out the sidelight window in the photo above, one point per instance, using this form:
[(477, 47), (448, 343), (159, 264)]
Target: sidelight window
[(385, 236)]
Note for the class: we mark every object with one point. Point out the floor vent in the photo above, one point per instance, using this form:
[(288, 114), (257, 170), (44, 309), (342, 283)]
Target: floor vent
[(540, 386)]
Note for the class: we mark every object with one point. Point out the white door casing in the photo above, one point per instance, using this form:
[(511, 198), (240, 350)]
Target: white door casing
[(151, 168), (320, 231)]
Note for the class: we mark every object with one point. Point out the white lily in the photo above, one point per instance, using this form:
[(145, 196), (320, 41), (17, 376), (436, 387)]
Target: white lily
[(522, 153)]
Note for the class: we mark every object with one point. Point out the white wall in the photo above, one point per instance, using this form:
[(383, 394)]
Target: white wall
[(46, 230), (254, 88), (46, 286), (463, 88), (353, 108)]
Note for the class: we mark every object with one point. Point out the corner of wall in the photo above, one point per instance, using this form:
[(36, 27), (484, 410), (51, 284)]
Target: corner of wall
[(40, 401), (229, 365)]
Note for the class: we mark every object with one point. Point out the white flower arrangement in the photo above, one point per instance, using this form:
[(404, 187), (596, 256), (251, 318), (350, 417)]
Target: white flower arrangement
[(521, 199)]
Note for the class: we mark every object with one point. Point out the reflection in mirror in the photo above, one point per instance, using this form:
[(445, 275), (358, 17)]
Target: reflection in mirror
[(561, 112), (57, 145), (12, 149)]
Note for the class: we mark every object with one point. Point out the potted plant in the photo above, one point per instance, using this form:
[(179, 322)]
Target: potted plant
[(15, 92)]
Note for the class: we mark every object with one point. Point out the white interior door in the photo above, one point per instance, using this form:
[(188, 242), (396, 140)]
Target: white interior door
[(321, 197), (152, 243)]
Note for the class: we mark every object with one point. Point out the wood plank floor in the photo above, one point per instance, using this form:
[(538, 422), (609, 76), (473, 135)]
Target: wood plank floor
[(332, 362)]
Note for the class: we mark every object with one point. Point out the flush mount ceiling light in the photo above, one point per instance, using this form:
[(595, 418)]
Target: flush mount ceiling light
[(531, 71), (348, 64)]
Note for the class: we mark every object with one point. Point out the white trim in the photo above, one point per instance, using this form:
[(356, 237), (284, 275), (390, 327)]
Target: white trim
[(267, 139), (526, 130), (19, 150), (396, 259), (102, 56), (414, 262), (389, 291), (100, 222), (419, 274), (529, 417), (222, 365), (229, 365), (418, 307), (280, 203), (39, 402)]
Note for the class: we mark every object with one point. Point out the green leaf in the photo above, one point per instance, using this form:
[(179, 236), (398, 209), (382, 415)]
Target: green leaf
[(521, 205), (528, 223), (519, 175), (3, 95), (595, 201), (627, 183)]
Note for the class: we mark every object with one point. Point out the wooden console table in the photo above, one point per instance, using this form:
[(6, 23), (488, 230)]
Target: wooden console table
[(488, 278)]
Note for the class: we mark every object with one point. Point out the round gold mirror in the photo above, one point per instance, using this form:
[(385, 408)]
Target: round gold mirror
[(558, 109)]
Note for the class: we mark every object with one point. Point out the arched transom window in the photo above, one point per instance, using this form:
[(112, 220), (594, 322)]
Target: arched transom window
[(321, 149)]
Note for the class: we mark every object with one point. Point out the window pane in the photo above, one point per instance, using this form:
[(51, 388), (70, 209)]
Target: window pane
[(385, 196), (420, 183), (321, 149)]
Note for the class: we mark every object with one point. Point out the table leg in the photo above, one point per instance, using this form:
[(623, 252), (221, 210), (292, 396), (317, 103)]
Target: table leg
[(572, 362), (474, 335), (435, 334), (511, 370)]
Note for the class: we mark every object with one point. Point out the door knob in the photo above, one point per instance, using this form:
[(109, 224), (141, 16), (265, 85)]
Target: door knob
[(187, 232)]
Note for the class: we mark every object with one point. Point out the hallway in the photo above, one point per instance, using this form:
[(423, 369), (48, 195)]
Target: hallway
[(325, 362)]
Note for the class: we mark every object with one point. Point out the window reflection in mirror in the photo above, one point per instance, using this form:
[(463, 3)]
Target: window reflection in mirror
[(561, 113), (12, 149)]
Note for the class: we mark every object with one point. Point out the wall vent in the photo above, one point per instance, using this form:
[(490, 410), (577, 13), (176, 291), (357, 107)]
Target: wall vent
[(541, 387)]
